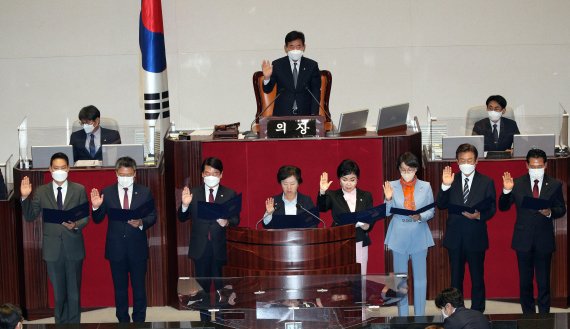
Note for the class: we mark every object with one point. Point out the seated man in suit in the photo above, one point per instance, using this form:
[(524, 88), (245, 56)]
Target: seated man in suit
[(296, 78), (87, 142), (126, 246), (455, 315), (11, 317), (498, 131)]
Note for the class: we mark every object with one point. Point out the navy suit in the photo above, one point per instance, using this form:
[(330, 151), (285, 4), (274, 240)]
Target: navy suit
[(303, 200), (207, 242), (126, 248), (508, 128), (78, 140), (309, 77), (466, 239), (533, 238), (464, 318), (334, 201)]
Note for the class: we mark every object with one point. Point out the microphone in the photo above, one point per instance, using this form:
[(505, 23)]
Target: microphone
[(275, 207), (310, 213), (318, 103), (279, 92)]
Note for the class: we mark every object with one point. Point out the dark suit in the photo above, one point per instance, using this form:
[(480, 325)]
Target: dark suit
[(309, 77), (466, 239), (126, 248), (507, 129), (63, 249), (303, 200), (78, 139), (464, 318), (207, 242), (334, 201), (533, 238)]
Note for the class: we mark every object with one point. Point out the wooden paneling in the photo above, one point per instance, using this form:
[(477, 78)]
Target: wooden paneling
[(11, 262)]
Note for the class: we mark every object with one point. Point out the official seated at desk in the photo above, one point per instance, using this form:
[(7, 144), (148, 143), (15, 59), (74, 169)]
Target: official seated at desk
[(497, 129), (87, 141), (290, 202), (296, 78)]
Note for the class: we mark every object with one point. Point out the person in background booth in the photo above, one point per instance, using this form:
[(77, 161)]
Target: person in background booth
[(533, 238), (296, 78), (286, 203), (498, 131), (455, 315), (348, 199), (87, 141), (207, 238), (409, 237), (11, 317)]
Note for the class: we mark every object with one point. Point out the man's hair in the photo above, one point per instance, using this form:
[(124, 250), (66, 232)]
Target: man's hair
[(59, 155), (10, 315), (450, 295), (212, 162), (497, 98), (535, 153), (89, 112), (294, 35), (409, 159), (347, 167), (466, 148), (126, 162), (287, 171)]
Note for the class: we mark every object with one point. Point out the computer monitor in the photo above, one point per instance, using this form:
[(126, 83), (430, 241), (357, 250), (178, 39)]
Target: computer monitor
[(41, 155), (392, 117), (352, 121), (111, 152), (523, 143), (451, 143)]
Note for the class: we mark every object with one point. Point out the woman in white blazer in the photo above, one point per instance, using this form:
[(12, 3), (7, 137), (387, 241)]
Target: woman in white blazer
[(409, 236)]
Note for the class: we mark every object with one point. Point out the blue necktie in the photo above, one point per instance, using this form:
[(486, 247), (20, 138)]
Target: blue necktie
[(92, 149), (59, 199)]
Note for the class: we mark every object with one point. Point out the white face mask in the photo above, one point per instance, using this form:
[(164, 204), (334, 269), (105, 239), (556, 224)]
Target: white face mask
[(211, 181), (445, 316), (125, 181), (467, 169), (59, 175), (407, 177), (536, 173), (494, 116), (295, 55), (88, 128)]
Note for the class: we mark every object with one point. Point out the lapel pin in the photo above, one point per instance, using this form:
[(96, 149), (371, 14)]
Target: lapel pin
[(360, 200), (221, 196)]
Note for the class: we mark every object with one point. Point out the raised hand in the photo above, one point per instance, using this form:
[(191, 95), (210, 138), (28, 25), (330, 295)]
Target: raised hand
[(388, 191), (269, 205), (508, 182), (267, 69), (324, 183), (447, 176), (186, 197), (25, 187), (96, 199)]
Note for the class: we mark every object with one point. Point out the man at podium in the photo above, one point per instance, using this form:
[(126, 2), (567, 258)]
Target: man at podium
[(87, 141), (498, 130), (296, 78)]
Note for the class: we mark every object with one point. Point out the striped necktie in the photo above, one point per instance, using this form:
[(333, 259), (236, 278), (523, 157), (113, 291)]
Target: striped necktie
[(466, 190)]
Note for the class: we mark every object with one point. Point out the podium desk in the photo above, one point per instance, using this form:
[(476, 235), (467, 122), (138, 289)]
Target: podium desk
[(501, 269)]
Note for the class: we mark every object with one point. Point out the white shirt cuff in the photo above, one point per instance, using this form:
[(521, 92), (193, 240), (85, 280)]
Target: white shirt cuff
[(445, 187), (507, 191)]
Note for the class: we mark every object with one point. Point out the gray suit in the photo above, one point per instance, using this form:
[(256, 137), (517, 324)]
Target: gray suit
[(62, 250)]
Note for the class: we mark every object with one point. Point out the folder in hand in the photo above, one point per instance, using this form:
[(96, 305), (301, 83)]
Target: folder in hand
[(368, 216), (481, 206), (125, 215), (535, 203), (408, 212), (214, 211), (56, 216)]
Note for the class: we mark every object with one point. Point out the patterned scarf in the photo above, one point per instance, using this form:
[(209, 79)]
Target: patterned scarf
[(408, 188)]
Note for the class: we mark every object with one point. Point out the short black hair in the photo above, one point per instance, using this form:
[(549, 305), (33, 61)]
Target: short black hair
[(287, 171), (59, 155), (409, 159), (294, 35), (535, 153), (10, 316), (497, 98), (452, 296), (212, 162), (126, 162), (89, 112), (347, 167), (466, 147)]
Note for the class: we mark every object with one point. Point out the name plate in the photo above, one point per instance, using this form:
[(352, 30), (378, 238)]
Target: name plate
[(292, 127)]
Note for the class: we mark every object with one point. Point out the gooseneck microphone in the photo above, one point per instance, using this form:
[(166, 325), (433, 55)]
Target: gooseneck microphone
[(310, 213), (275, 207), (318, 103), (279, 92)]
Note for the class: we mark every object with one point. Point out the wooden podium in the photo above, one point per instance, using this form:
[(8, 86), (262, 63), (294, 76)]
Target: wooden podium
[(291, 252)]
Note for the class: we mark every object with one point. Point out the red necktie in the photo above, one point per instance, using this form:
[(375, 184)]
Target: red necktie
[(126, 198), (535, 189), (211, 200)]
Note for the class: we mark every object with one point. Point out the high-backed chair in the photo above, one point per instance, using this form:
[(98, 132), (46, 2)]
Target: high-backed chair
[(262, 99), (104, 122), (477, 113)]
